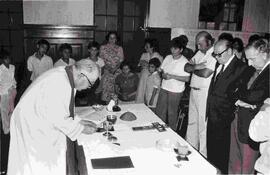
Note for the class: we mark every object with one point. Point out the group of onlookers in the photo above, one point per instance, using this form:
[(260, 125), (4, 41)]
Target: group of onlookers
[(229, 84)]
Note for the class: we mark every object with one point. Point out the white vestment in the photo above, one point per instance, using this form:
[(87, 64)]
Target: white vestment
[(39, 126)]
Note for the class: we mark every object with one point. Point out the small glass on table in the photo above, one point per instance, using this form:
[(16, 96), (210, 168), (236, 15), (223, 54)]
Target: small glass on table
[(108, 124)]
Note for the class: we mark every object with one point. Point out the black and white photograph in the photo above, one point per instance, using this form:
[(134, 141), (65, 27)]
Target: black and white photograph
[(134, 87)]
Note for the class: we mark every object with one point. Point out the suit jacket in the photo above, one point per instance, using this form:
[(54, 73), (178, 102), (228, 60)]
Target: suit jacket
[(220, 101), (255, 95)]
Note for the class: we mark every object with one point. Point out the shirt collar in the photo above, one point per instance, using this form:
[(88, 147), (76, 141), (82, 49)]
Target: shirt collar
[(268, 62), (228, 62), (210, 51)]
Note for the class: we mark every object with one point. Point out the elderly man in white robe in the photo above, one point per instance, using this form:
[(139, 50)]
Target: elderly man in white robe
[(44, 120)]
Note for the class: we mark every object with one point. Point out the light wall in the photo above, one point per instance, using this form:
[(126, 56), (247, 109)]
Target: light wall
[(256, 16), (65, 12), (191, 34), (174, 13)]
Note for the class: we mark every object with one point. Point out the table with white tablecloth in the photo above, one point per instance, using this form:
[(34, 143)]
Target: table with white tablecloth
[(139, 145)]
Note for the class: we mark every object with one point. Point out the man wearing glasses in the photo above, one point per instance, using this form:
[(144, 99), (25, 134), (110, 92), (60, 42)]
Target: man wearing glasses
[(228, 76), (202, 66), (43, 124)]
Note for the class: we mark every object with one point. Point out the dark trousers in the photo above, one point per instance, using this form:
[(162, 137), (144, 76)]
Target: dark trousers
[(218, 145), (242, 155), (4, 149), (75, 159), (168, 107)]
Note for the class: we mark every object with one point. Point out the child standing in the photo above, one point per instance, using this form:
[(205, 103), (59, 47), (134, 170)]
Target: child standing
[(152, 84), (65, 51), (7, 90), (39, 62)]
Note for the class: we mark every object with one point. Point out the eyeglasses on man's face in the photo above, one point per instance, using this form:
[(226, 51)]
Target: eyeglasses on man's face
[(89, 82), (218, 55)]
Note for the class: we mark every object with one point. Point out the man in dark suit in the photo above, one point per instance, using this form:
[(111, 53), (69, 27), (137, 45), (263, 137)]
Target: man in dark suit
[(226, 79), (244, 151)]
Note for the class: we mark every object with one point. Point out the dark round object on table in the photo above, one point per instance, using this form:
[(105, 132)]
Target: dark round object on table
[(116, 109), (128, 116)]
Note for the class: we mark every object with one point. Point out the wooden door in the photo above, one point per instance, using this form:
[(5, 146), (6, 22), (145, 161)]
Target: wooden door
[(127, 17)]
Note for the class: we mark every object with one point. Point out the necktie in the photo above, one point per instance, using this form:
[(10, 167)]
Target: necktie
[(220, 72), (252, 79)]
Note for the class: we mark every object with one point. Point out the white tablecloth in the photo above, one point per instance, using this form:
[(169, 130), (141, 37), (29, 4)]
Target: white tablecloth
[(140, 146)]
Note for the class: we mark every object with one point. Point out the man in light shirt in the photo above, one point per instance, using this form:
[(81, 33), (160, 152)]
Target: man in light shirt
[(39, 62), (202, 65), (7, 95), (65, 51)]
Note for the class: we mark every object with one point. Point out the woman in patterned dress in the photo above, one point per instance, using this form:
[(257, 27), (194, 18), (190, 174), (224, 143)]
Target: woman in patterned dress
[(113, 56)]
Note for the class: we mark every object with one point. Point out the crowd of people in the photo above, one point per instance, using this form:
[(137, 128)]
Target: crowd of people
[(227, 118)]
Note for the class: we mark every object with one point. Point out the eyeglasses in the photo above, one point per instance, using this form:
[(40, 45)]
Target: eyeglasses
[(89, 82), (218, 55)]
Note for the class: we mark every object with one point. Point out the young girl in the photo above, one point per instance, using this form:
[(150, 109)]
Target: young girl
[(7, 90), (152, 84)]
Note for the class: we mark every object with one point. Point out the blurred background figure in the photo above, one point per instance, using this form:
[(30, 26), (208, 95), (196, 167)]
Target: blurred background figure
[(151, 51), (187, 52), (126, 84)]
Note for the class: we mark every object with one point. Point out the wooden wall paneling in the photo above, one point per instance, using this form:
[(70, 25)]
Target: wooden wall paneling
[(77, 36)]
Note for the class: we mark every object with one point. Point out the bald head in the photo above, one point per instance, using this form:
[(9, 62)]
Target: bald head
[(89, 68), (204, 41), (85, 74), (222, 51)]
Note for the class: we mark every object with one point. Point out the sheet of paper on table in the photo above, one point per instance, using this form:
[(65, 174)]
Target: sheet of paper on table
[(88, 113)]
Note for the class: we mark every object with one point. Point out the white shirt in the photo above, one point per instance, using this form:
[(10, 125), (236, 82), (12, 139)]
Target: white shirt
[(38, 66), (174, 67), (210, 62), (100, 63), (39, 126), (259, 131), (61, 62), (7, 79), (267, 64)]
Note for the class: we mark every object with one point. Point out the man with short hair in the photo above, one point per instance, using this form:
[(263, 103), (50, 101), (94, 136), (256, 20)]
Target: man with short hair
[(43, 122), (229, 74), (202, 65), (39, 62), (244, 151)]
